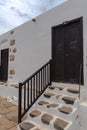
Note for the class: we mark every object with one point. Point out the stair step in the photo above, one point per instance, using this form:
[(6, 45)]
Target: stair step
[(46, 118), (35, 113), (48, 95), (60, 124), (26, 125), (53, 87), (65, 109), (73, 90), (43, 102), (68, 100), (52, 105)]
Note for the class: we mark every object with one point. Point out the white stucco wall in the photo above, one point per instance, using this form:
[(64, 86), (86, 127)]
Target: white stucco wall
[(33, 39)]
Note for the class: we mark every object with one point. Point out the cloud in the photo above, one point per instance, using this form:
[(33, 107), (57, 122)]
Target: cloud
[(15, 12)]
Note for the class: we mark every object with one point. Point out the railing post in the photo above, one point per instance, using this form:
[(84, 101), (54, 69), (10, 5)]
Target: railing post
[(19, 103), (50, 62)]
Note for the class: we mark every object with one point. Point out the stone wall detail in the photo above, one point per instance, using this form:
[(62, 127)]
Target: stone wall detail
[(12, 57), (14, 50), (12, 42), (12, 72)]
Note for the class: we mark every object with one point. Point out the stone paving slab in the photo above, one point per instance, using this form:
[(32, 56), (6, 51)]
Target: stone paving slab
[(8, 115), (26, 125), (46, 118), (60, 124), (35, 113)]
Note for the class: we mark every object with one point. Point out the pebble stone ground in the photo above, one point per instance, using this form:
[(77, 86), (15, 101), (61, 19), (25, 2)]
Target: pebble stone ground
[(8, 115)]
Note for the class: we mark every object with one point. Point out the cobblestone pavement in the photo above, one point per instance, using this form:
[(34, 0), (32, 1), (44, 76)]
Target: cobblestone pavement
[(8, 115)]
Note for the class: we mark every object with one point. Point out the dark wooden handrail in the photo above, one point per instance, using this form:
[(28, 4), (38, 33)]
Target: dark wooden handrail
[(28, 94)]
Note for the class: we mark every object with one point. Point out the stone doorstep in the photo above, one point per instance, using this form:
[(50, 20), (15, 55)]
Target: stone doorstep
[(46, 118), (60, 124), (68, 100), (65, 109), (35, 113), (53, 87), (48, 95), (43, 103), (73, 90), (52, 105), (26, 125)]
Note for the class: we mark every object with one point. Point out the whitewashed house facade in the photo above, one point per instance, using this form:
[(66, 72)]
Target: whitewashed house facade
[(31, 45)]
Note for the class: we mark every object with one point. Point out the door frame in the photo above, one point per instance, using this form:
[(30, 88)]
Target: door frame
[(66, 23)]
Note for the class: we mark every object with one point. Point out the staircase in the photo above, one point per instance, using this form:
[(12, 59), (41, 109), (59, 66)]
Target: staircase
[(56, 109)]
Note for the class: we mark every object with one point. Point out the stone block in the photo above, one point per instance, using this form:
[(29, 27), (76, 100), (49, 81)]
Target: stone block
[(12, 42), (35, 113), (26, 126), (46, 118), (12, 72), (68, 100), (73, 90), (53, 105), (14, 50), (12, 57), (43, 103), (60, 124), (65, 109), (48, 95), (12, 32)]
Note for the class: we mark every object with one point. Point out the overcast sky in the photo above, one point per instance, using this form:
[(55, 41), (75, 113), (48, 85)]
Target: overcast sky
[(15, 12)]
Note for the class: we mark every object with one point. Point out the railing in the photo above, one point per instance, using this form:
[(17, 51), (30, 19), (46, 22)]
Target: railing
[(32, 88)]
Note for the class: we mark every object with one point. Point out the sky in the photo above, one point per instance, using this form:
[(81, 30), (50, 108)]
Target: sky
[(16, 12)]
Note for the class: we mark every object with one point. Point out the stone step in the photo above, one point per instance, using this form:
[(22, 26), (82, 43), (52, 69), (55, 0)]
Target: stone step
[(35, 113), (73, 90), (69, 100), (59, 98), (65, 109), (53, 87), (47, 117)]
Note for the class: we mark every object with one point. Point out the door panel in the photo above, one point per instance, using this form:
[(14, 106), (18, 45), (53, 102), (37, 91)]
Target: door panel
[(4, 64), (67, 51), (59, 54)]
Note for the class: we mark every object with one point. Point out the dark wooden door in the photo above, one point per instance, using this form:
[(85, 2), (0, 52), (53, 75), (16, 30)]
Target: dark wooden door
[(67, 51), (4, 64)]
